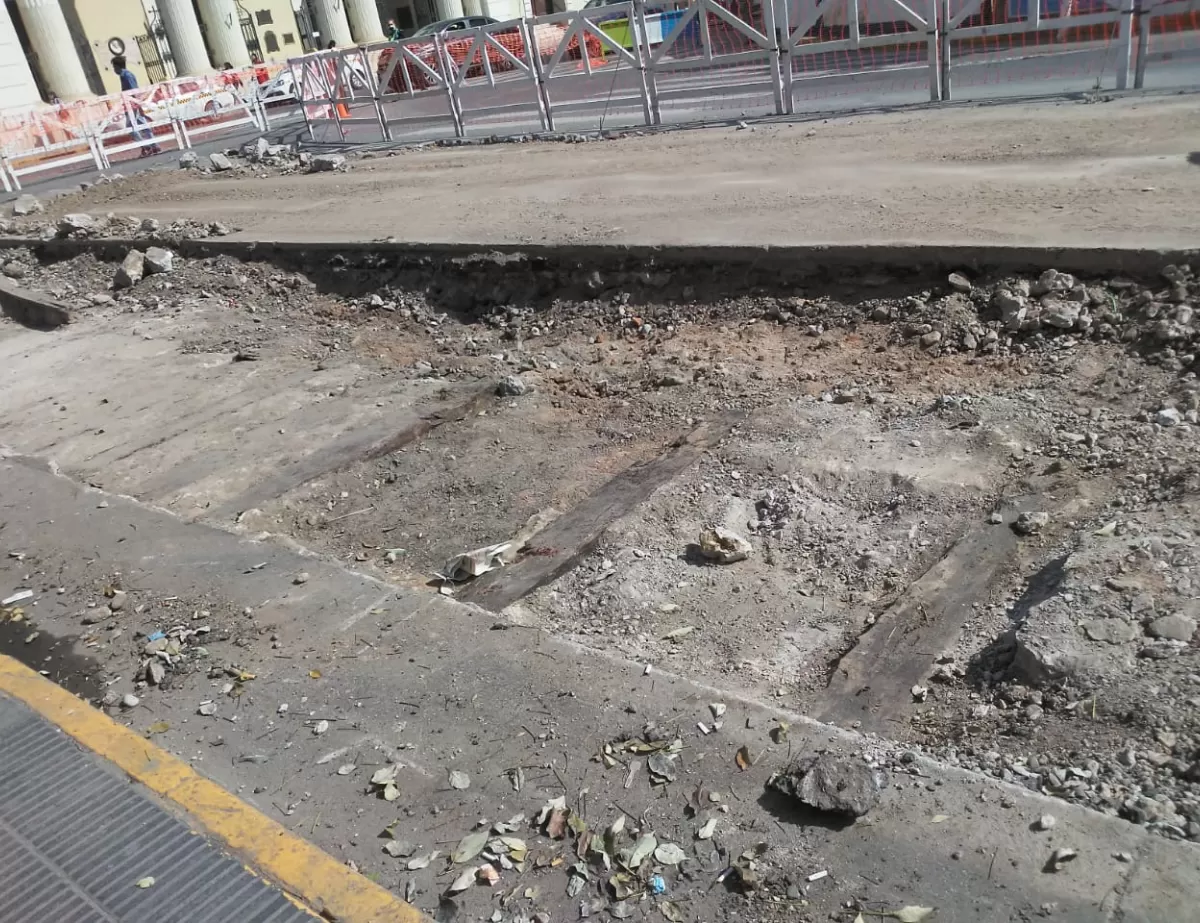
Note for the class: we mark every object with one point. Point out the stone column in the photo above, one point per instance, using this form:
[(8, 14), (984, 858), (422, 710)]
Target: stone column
[(58, 59), (364, 21), (223, 26), (331, 22), (449, 9), (183, 35), (17, 86)]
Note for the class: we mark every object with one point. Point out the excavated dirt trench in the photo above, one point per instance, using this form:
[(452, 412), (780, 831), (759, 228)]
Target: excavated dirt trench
[(873, 426)]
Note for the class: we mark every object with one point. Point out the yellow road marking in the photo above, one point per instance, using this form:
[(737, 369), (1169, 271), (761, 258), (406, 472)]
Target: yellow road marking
[(303, 871)]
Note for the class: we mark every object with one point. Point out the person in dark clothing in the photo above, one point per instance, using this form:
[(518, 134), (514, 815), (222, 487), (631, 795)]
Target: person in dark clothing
[(134, 115)]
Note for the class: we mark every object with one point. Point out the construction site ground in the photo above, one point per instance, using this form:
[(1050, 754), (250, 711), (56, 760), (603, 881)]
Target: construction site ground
[(269, 460), (1059, 174)]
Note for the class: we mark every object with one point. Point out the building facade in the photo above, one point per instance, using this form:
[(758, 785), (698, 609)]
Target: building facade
[(60, 50)]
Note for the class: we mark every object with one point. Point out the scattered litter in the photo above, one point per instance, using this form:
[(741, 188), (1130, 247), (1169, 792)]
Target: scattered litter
[(282, 709), (320, 727), (939, 818), (919, 693), (129, 700), (314, 674), (817, 876), (472, 564), (657, 885), (459, 780), (16, 597), (828, 783), (707, 829), (669, 854), (155, 636), (1046, 822), (346, 769), (717, 709), (662, 766), (904, 914), (158, 727), (144, 883), (208, 709), (300, 578), (723, 546)]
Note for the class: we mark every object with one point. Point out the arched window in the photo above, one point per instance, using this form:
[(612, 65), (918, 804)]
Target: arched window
[(272, 42)]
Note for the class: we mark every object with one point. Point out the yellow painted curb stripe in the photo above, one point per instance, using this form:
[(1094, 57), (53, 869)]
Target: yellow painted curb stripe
[(294, 864)]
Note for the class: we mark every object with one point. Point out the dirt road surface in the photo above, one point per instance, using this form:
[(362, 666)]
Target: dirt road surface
[(1069, 173), (966, 503)]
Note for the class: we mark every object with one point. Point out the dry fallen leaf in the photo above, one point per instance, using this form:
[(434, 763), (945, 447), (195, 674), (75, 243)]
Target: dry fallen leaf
[(158, 727), (314, 674), (469, 846), (384, 776), (940, 818), (743, 759), (462, 882)]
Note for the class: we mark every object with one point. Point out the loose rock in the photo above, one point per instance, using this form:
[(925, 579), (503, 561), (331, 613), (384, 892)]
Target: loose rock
[(1172, 627), (76, 224), (828, 783), (326, 163), (1030, 523), (959, 282), (723, 546), (512, 386), (131, 270), (158, 260), (220, 162), (27, 205)]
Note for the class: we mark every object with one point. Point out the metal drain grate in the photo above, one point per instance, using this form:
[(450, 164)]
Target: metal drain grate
[(76, 837)]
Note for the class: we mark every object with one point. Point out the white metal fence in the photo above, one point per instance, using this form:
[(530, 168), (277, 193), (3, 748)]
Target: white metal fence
[(653, 62), (171, 115)]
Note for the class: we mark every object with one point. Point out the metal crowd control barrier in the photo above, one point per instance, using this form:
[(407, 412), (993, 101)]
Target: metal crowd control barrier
[(97, 132), (649, 62)]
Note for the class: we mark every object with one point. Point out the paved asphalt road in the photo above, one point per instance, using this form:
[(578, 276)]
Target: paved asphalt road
[(610, 97)]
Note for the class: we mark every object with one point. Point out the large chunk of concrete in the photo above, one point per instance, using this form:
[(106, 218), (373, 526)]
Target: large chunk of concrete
[(33, 309)]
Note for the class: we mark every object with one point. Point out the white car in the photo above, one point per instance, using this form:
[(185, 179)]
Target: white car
[(192, 101), (283, 88)]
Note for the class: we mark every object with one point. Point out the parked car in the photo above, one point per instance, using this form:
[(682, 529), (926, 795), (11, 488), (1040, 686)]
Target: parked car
[(192, 100), (453, 25), (282, 90)]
